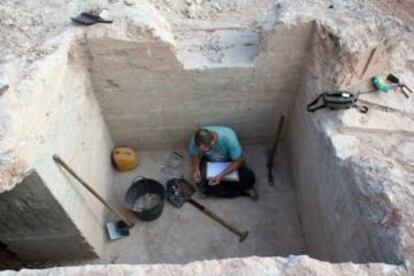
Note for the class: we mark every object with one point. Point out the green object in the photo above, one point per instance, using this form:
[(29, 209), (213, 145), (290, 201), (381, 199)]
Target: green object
[(379, 83)]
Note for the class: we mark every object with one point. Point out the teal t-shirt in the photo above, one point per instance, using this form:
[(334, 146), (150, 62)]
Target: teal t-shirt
[(226, 148)]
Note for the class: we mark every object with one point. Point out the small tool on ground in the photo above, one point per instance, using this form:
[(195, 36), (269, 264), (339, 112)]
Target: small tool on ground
[(403, 88), (116, 230), (380, 84), (272, 152), (179, 191)]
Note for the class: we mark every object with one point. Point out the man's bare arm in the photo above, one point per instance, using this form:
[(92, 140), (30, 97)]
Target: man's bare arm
[(195, 161)]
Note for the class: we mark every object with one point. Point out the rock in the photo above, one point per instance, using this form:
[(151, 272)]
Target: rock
[(193, 11), (218, 7), (3, 88), (147, 202), (105, 14), (129, 2)]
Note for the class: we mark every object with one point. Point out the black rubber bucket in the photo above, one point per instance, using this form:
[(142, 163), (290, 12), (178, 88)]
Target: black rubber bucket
[(143, 187)]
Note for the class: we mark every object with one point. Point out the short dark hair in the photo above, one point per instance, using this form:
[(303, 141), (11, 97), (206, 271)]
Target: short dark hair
[(203, 137)]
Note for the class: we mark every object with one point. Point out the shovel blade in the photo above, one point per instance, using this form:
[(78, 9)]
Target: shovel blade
[(117, 230), (179, 191)]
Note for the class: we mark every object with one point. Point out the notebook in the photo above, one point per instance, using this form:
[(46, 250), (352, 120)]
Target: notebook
[(215, 168)]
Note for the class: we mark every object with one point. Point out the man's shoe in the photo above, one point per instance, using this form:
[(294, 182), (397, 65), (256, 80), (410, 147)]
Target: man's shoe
[(201, 190), (201, 187), (252, 193)]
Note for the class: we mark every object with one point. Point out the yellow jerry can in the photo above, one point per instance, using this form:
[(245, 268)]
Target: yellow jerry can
[(124, 159)]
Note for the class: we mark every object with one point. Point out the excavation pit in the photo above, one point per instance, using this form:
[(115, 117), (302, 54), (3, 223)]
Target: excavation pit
[(149, 86), (185, 235)]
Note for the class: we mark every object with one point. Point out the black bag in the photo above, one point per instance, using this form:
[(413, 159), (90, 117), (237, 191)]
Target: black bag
[(337, 100)]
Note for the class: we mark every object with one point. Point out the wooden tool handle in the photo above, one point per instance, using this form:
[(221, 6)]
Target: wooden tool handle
[(277, 138), (242, 234), (90, 189), (272, 152)]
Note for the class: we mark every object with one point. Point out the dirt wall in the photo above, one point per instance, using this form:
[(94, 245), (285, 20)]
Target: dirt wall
[(150, 101)]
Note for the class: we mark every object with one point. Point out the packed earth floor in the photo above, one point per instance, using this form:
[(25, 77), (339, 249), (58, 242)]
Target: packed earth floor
[(185, 235), (343, 199)]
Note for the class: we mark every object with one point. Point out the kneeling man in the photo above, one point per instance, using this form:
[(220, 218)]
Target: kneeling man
[(220, 144)]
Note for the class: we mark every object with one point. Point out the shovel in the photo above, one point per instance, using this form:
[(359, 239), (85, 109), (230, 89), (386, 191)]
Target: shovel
[(403, 88), (116, 230), (179, 191)]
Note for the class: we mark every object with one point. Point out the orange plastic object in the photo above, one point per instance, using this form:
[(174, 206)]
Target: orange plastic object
[(124, 159)]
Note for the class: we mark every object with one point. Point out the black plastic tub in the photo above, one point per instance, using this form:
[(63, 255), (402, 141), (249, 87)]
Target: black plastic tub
[(139, 188)]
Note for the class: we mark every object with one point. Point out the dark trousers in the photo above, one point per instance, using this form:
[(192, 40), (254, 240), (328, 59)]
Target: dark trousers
[(228, 189)]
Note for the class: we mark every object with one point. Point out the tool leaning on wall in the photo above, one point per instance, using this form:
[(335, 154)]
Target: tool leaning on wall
[(273, 151)]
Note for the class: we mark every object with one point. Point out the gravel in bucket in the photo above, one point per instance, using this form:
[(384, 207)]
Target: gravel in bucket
[(146, 202)]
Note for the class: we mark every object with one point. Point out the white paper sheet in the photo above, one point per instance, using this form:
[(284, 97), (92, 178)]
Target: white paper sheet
[(215, 168)]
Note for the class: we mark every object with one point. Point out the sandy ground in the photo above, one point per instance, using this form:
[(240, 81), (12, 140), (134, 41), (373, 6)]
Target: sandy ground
[(244, 12), (401, 9), (184, 235)]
